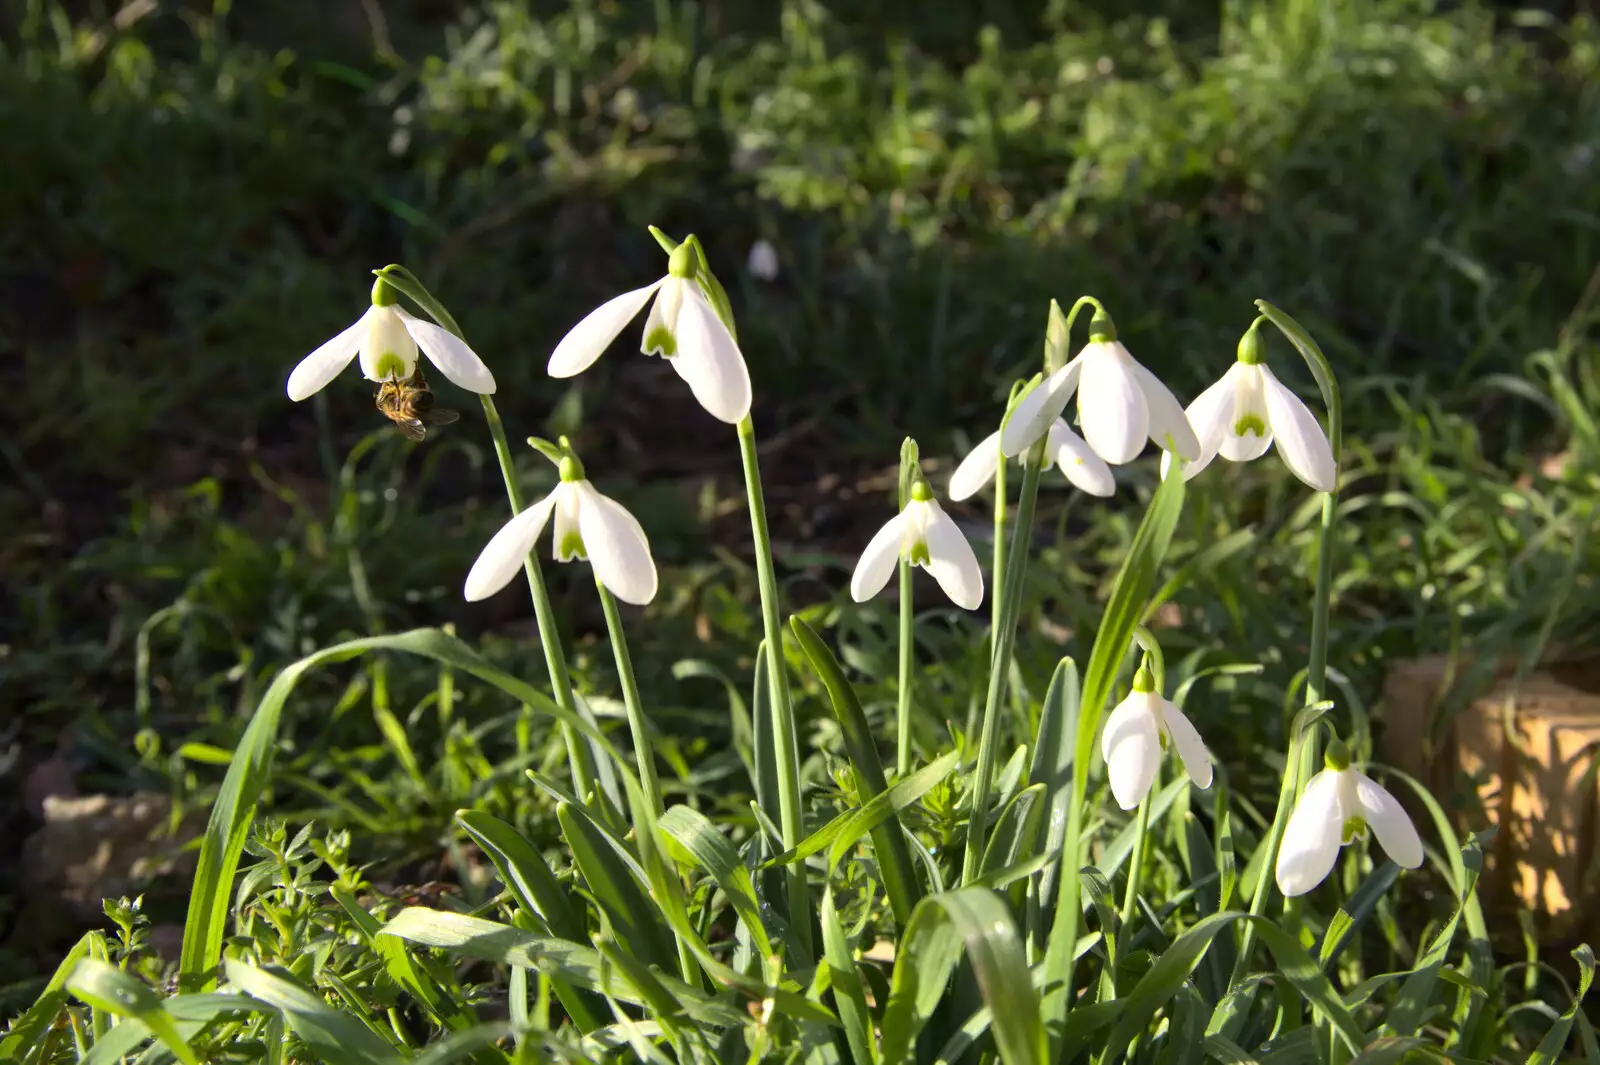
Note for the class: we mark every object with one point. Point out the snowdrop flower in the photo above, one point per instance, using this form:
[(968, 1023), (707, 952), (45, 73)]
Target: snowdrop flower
[(682, 327), (1120, 403), (1134, 735), (1063, 447), (387, 338), (1337, 807), (588, 525), (926, 536), (763, 261), (1241, 415)]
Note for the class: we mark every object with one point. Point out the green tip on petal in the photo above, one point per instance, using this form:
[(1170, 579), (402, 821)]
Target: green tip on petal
[(681, 262), (919, 554), (1102, 330), (571, 546), (1337, 756), (1143, 681), (384, 294), (1354, 828), (1252, 349), (1250, 423), (388, 366), (661, 339)]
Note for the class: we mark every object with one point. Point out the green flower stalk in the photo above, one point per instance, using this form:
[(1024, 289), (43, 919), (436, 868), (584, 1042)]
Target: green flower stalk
[(579, 756)]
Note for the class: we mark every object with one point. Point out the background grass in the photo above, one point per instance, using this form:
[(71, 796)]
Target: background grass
[(194, 195)]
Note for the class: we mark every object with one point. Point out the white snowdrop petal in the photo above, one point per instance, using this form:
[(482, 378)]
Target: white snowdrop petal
[(1112, 410), (386, 337), (710, 361), (458, 362), (951, 560), (567, 536), (1246, 448), (324, 364), (1313, 836), (617, 547), (1034, 412), (1301, 442), (1169, 425), (1131, 747), (503, 555), (1191, 748), (878, 560), (1075, 458), (588, 340), (1389, 822), (1210, 416), (977, 469)]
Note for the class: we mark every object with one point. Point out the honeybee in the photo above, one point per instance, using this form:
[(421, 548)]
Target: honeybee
[(409, 404)]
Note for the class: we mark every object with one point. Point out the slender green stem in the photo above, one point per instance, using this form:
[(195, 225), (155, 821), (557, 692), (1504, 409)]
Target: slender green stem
[(784, 736), (642, 753), (1000, 661), (1130, 897), (998, 569), (579, 757), (907, 649)]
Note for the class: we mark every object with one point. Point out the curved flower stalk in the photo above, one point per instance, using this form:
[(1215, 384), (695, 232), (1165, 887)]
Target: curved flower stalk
[(1337, 807), (1063, 448), (683, 327), (1120, 403), (1134, 736), (388, 337), (587, 525), (1249, 409), (925, 536)]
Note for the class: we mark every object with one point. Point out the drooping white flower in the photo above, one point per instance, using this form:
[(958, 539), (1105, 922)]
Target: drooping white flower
[(587, 525), (1065, 448), (1337, 807), (682, 327), (763, 261), (1241, 416), (387, 337), (1134, 735), (1120, 404), (925, 535)]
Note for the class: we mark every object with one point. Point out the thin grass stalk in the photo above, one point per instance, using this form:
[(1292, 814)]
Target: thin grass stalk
[(1000, 661)]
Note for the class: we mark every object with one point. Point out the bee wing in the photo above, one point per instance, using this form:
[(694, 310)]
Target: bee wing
[(441, 416), (413, 428)]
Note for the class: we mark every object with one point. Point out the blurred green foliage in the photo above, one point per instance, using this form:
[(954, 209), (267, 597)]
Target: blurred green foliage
[(192, 196)]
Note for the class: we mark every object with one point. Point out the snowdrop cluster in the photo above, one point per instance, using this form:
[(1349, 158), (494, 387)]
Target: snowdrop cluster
[(1120, 406)]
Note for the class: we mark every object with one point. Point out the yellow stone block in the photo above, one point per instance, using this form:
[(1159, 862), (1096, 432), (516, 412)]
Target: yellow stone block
[(1521, 757)]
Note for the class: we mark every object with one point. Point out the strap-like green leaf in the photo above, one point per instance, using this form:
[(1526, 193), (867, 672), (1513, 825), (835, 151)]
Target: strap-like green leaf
[(234, 808), (888, 837), (978, 920), (1549, 1048), (336, 1036), (711, 851), (633, 916), (108, 988)]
